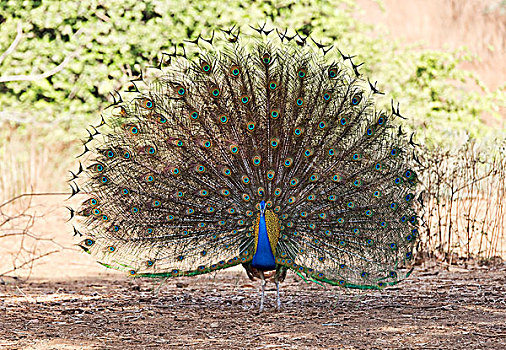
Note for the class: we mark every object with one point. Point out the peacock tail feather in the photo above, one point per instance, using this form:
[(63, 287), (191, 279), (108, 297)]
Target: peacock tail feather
[(174, 177)]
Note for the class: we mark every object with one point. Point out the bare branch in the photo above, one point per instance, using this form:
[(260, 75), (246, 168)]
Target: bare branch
[(14, 44), (19, 228), (44, 75), (28, 262), (33, 194)]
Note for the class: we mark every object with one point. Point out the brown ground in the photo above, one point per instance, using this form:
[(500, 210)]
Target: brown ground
[(434, 309), (71, 302)]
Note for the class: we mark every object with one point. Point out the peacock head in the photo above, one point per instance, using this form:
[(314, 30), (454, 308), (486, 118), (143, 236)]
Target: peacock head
[(262, 207)]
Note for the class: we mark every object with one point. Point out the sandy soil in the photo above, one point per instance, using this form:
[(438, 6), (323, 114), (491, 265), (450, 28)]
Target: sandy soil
[(463, 309)]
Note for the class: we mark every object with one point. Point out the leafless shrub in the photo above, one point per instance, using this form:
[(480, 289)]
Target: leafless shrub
[(465, 194), (21, 244)]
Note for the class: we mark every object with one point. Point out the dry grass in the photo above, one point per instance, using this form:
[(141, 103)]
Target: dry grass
[(31, 162)]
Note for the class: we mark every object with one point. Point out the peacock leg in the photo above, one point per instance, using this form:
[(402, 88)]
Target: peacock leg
[(278, 300), (263, 290)]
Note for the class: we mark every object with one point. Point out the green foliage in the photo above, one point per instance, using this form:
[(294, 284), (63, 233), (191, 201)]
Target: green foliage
[(112, 41)]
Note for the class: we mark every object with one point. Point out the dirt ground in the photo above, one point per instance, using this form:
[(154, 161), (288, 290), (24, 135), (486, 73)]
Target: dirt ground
[(435, 309)]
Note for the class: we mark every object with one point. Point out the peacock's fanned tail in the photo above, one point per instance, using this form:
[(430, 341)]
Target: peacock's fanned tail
[(175, 175)]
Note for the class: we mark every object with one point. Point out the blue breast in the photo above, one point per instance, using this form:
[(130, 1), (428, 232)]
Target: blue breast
[(263, 258)]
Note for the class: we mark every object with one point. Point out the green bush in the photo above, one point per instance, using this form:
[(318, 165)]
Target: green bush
[(110, 40)]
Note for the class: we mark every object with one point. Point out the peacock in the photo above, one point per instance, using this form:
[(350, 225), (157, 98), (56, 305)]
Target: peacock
[(260, 149)]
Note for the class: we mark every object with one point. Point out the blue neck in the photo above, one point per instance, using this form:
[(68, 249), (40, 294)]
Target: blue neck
[(263, 258)]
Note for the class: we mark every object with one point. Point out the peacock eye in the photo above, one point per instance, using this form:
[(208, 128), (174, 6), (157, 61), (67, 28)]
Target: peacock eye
[(235, 71), (274, 113), (160, 119), (298, 131), (194, 115), (266, 58), (227, 172), (180, 89), (214, 91), (147, 103), (206, 67), (244, 99), (98, 167), (332, 72), (223, 119), (355, 100)]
